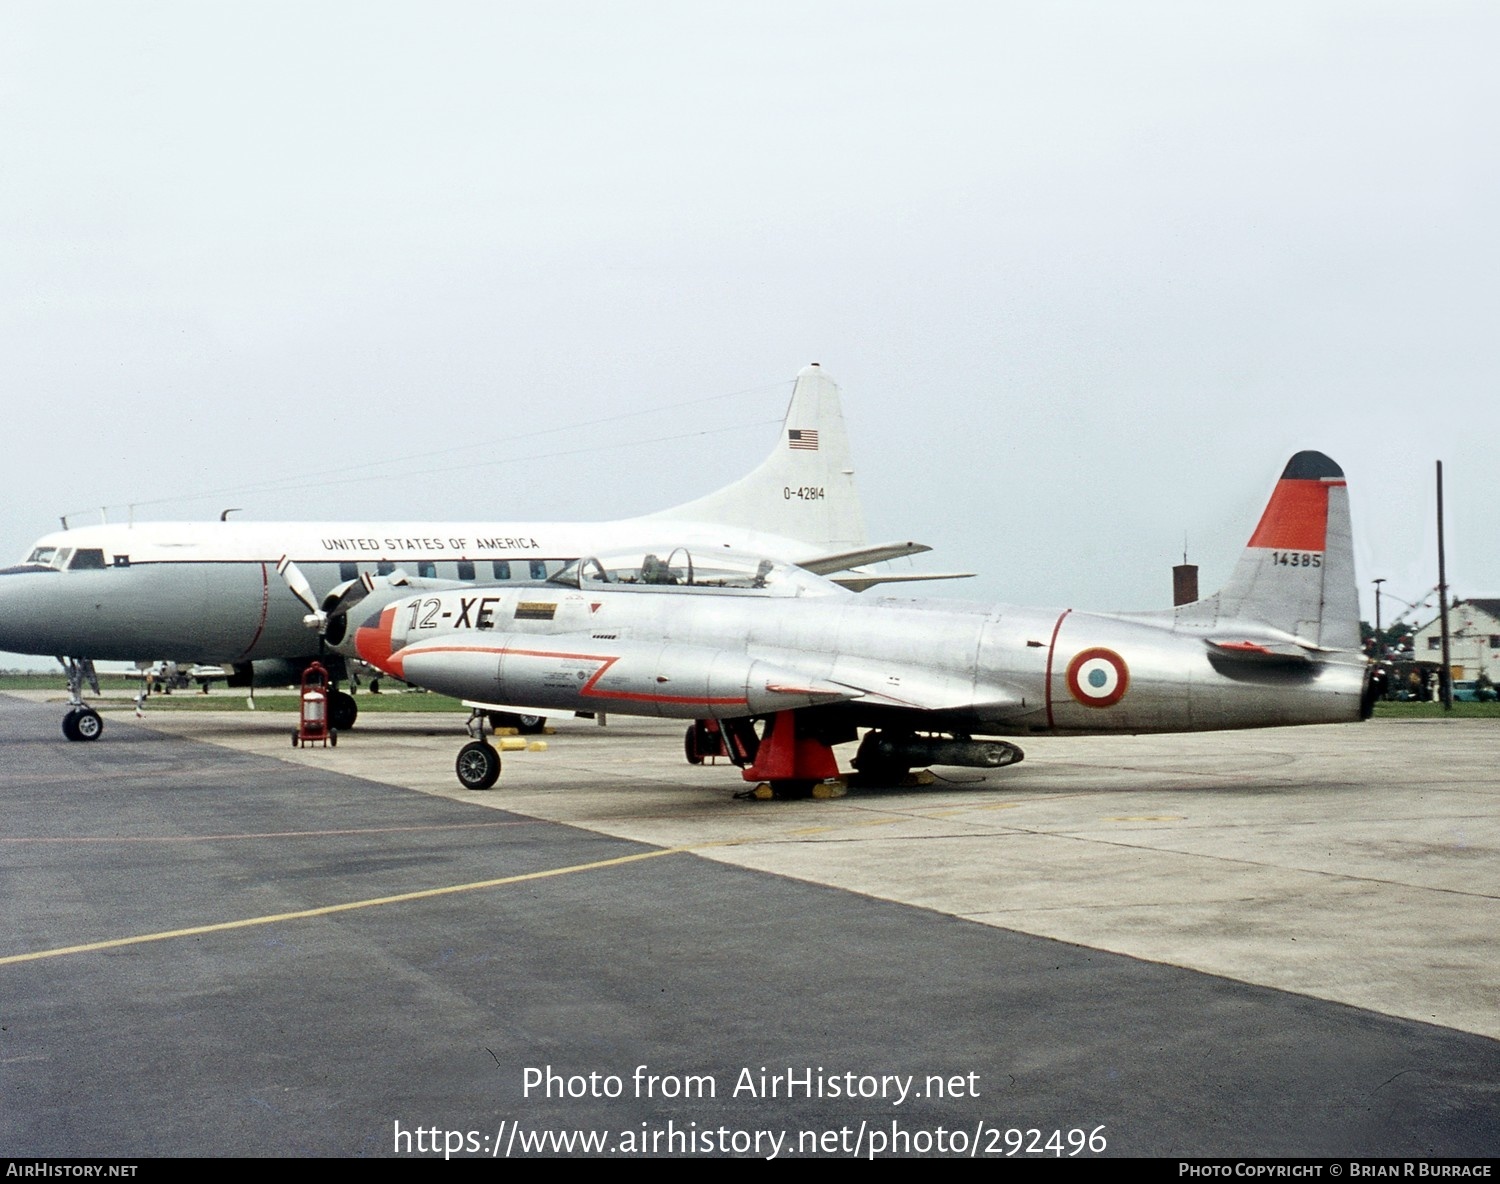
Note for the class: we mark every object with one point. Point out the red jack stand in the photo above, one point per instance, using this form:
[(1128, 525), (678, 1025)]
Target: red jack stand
[(312, 725), (792, 764)]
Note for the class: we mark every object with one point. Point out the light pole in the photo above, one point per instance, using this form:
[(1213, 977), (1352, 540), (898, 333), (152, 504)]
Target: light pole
[(1379, 636)]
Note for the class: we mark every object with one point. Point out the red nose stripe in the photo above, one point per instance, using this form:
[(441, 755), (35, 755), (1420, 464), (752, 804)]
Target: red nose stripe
[(1296, 518), (374, 645)]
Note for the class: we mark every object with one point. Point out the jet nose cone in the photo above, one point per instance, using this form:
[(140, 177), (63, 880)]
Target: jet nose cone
[(372, 641)]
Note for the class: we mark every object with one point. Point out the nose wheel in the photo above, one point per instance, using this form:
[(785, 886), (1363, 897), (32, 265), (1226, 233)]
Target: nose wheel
[(82, 723), (478, 765)]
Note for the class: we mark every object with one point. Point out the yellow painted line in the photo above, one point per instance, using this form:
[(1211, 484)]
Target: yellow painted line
[(329, 910), (1147, 818), (956, 811)]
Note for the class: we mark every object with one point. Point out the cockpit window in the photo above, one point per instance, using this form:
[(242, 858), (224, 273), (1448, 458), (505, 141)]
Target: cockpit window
[(42, 556), (87, 559), (700, 571)]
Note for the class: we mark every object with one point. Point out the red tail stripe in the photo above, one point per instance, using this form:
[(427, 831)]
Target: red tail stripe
[(1296, 518)]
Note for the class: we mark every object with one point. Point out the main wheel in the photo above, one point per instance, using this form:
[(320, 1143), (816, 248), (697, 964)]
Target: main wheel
[(342, 711), (690, 746), (877, 768), (527, 725), (478, 765), (70, 725)]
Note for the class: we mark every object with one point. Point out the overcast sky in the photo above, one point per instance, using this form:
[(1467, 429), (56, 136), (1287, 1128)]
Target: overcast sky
[(1087, 273)]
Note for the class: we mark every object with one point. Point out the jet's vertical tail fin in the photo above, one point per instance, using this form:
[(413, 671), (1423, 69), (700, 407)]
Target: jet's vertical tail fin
[(805, 489), (1297, 572)]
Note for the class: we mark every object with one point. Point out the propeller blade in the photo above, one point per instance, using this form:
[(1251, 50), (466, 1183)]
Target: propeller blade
[(297, 582), (344, 597), (302, 590)]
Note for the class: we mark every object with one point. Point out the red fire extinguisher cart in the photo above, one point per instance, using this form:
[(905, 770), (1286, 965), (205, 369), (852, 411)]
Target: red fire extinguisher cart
[(312, 724)]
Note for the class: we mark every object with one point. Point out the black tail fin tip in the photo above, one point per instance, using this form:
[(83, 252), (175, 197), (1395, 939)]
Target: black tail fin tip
[(1310, 466)]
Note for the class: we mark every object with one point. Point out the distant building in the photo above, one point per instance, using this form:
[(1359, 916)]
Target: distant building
[(1473, 640)]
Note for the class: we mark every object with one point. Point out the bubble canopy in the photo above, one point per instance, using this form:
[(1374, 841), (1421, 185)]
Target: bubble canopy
[(676, 569)]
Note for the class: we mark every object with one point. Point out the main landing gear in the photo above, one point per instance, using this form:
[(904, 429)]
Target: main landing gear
[(342, 710), (792, 756), (526, 725)]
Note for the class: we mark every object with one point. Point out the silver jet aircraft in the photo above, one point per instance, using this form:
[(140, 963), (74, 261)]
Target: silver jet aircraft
[(237, 592), (775, 665)]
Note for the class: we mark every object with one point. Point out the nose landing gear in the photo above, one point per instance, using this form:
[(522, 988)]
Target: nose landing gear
[(81, 722)]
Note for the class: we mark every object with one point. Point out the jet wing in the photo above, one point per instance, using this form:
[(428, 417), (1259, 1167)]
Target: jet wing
[(927, 689)]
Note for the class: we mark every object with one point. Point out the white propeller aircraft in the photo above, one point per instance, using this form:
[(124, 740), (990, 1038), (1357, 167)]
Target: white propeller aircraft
[(776, 665), (237, 592)]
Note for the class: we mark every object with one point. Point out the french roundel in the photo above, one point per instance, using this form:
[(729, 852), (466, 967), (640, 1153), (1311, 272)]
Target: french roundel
[(1098, 677)]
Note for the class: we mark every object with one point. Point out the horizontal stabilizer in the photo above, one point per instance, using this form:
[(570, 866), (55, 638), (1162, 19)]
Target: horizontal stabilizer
[(860, 581), (1264, 651), (823, 565)]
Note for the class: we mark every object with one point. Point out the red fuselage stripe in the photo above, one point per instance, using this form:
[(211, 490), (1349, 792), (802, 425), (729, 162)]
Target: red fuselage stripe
[(1052, 649), (588, 688), (265, 606)]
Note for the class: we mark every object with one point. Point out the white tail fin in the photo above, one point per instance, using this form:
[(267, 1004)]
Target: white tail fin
[(1297, 572), (805, 489)]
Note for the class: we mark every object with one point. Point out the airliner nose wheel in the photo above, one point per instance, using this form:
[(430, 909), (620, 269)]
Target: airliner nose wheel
[(82, 723), (478, 765)]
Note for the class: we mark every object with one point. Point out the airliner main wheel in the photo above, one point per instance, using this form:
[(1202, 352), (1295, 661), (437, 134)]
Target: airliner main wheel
[(342, 711), (527, 725), (478, 765), (83, 723)]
